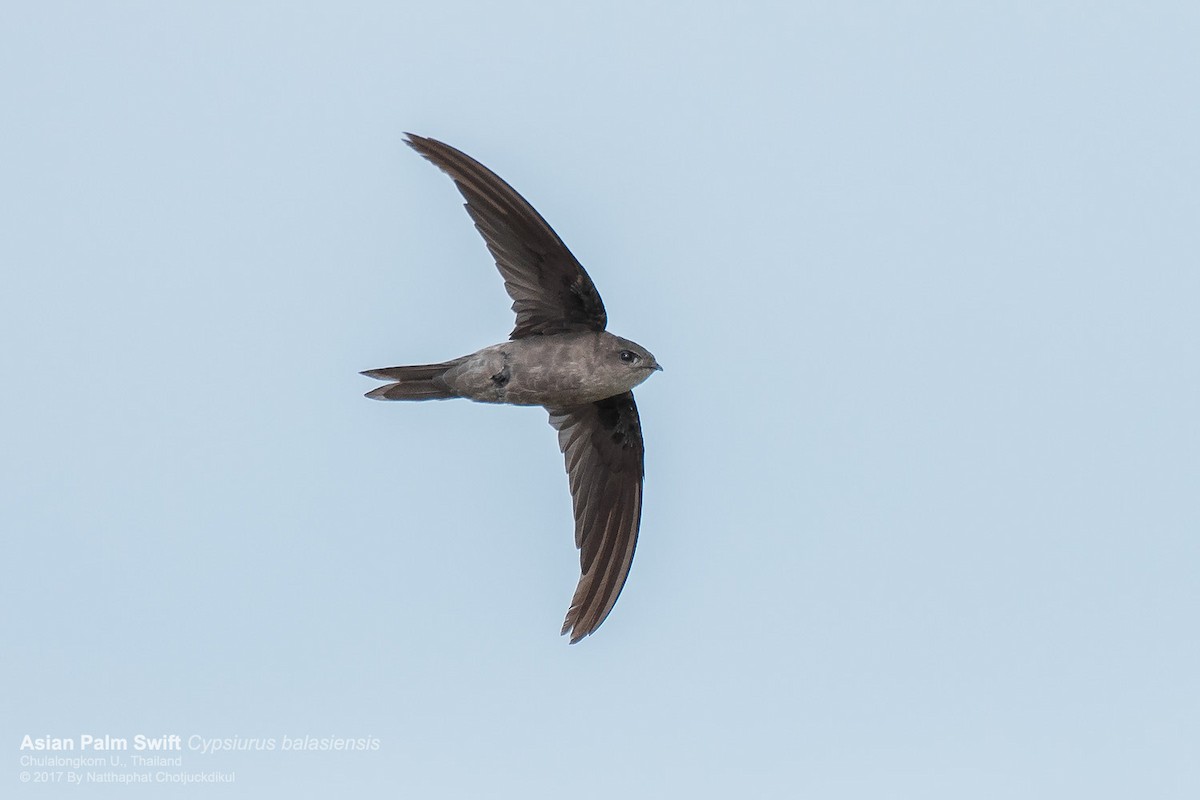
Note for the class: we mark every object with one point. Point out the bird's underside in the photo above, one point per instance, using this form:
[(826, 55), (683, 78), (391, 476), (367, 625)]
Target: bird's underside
[(559, 357)]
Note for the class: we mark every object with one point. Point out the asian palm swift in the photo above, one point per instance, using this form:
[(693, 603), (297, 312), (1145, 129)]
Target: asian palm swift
[(558, 356)]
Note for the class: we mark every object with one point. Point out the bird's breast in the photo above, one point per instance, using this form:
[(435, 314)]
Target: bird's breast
[(560, 370)]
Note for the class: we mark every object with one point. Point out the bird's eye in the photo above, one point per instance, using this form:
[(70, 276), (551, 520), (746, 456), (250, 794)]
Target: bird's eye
[(630, 357)]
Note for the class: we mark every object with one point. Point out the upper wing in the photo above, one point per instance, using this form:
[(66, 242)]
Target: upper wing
[(551, 292), (602, 443)]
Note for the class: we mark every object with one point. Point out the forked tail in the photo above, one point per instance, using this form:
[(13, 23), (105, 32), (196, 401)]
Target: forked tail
[(420, 382)]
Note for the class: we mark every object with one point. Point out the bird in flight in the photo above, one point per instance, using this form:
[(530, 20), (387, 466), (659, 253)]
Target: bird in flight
[(558, 356)]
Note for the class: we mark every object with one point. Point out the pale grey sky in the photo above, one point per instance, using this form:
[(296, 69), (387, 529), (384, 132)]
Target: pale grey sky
[(921, 502)]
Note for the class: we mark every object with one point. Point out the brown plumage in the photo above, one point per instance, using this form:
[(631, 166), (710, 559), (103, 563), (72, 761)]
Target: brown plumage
[(560, 357)]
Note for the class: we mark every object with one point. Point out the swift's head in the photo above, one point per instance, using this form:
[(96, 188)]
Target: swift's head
[(627, 361)]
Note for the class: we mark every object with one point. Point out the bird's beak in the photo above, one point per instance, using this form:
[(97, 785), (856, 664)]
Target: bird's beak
[(658, 367)]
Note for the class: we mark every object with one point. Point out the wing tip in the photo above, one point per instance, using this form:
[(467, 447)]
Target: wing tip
[(424, 145), (572, 626)]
